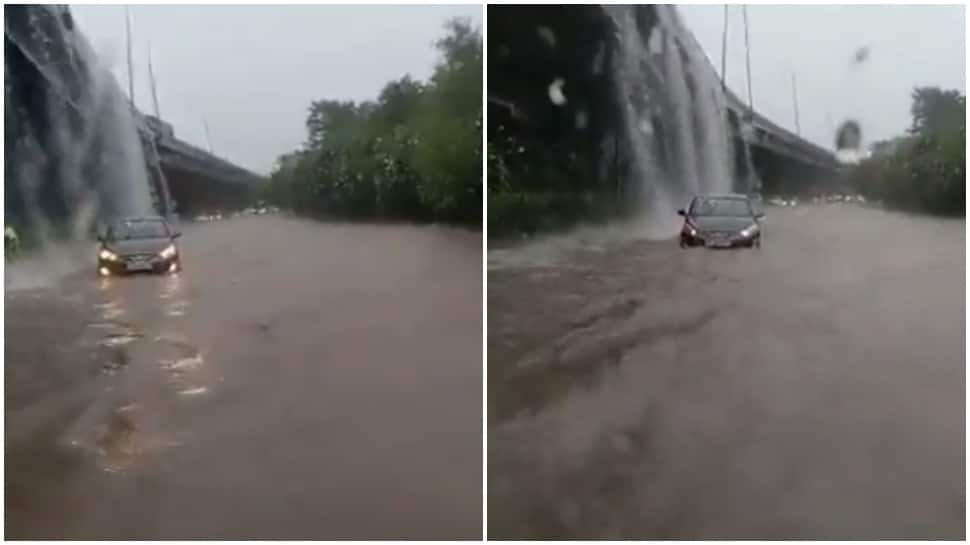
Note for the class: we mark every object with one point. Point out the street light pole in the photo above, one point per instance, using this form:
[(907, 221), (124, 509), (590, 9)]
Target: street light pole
[(747, 54), (151, 77), (724, 36), (794, 95), (131, 76), (208, 140)]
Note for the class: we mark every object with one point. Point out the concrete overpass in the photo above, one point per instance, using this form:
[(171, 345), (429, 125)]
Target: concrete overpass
[(73, 143), (784, 161), (197, 180)]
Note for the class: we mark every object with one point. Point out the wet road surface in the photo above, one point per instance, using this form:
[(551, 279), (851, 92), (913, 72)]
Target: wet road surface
[(812, 389), (297, 380)]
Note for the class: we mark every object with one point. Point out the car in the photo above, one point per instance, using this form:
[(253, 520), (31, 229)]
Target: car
[(722, 221), (139, 244)]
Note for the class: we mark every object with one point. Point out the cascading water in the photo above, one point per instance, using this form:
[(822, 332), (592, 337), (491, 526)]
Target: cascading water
[(74, 156), (634, 100), (660, 83), (713, 137)]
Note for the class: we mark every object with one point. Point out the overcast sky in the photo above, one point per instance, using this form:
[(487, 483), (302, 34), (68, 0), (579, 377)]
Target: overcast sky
[(908, 46), (252, 71)]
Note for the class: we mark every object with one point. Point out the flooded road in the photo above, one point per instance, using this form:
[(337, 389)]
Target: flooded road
[(298, 380), (812, 389)]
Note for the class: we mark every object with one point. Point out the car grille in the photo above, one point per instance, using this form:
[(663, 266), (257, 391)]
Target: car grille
[(138, 257)]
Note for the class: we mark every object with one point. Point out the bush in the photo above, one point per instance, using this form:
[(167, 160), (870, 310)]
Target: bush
[(533, 212)]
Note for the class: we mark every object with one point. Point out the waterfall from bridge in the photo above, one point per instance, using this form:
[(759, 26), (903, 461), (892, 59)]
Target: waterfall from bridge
[(76, 153), (671, 103), (74, 156)]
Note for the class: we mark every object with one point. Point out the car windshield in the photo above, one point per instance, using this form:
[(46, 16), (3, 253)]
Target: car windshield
[(135, 229), (720, 207)]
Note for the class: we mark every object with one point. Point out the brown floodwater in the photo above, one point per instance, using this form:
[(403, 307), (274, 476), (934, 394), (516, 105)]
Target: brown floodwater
[(297, 380), (812, 389)]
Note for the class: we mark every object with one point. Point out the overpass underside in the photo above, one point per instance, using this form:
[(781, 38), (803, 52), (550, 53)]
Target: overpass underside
[(198, 193), (783, 175)]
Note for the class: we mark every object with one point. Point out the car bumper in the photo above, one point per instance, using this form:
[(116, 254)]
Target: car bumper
[(733, 242), (157, 265)]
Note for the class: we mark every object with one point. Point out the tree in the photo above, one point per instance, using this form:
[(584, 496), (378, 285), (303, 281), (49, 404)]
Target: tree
[(413, 153), (331, 121), (399, 100), (937, 111), (925, 170)]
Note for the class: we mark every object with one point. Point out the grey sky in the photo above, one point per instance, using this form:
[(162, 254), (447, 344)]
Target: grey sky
[(252, 71), (909, 46)]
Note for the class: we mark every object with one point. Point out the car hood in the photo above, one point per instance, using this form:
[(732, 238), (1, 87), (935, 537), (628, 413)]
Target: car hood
[(721, 223), (138, 246)]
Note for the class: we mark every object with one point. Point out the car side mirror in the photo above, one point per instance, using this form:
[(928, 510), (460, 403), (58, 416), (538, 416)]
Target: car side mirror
[(760, 215), (681, 212), (176, 234)]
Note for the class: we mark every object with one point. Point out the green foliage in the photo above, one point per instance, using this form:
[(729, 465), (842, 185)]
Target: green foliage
[(11, 243), (936, 111), (414, 153), (511, 212), (924, 171)]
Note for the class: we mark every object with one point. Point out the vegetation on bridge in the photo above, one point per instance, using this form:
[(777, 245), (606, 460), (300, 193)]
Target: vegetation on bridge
[(925, 169), (413, 154)]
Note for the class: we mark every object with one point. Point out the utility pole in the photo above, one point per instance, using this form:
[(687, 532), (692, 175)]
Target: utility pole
[(747, 54), (151, 77), (794, 96), (724, 36), (131, 76), (208, 140)]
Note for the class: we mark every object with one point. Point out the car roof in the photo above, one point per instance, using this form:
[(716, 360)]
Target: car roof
[(736, 196), (141, 218)]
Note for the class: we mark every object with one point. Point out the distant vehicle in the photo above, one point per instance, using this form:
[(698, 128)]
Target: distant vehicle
[(142, 244), (721, 221)]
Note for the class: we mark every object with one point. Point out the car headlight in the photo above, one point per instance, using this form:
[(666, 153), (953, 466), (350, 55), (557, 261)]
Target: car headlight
[(107, 255), (749, 232), (168, 252)]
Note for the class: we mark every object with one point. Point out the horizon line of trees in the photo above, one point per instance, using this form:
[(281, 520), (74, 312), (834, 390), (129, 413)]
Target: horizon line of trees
[(414, 153)]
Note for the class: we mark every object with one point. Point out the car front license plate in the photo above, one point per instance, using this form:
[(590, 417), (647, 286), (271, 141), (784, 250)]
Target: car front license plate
[(139, 266), (719, 244)]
